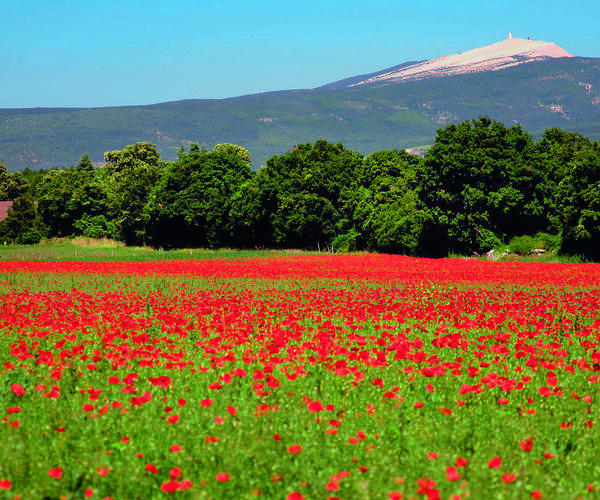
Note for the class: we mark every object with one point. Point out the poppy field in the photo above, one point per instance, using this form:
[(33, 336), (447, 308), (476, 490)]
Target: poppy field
[(307, 376)]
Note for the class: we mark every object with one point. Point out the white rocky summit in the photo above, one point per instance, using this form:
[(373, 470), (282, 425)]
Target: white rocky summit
[(509, 52)]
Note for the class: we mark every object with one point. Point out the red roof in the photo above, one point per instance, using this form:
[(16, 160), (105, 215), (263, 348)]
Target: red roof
[(4, 206)]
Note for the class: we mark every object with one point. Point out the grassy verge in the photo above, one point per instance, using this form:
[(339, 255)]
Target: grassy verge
[(88, 249)]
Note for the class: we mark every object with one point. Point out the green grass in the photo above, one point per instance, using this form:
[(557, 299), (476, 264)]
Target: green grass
[(87, 249)]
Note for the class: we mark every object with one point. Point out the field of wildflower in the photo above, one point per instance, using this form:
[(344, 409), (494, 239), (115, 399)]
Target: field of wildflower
[(306, 376)]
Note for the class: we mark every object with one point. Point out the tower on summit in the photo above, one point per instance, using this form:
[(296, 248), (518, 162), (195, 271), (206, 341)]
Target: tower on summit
[(509, 34)]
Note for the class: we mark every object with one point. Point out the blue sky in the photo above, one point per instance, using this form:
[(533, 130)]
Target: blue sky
[(107, 53)]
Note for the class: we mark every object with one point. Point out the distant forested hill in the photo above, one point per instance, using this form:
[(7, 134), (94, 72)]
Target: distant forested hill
[(562, 93)]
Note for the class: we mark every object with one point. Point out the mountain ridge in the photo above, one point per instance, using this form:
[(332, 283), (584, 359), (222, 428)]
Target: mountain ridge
[(387, 114)]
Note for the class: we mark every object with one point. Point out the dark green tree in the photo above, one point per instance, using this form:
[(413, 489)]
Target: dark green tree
[(190, 205), (129, 177), (306, 182), (85, 163), (22, 225), (477, 183), (65, 196), (383, 206), (12, 186), (578, 200)]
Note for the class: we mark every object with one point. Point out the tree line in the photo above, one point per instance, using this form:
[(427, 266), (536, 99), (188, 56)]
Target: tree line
[(479, 186)]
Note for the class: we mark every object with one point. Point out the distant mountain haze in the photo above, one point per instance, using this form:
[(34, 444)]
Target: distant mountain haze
[(534, 83)]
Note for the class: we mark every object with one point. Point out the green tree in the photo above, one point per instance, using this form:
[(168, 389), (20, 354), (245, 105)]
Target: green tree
[(12, 186), (384, 207), (85, 163), (578, 200), (233, 149), (476, 182), (306, 182), (190, 204), (22, 225), (65, 196), (5, 178), (129, 177), (248, 221), (305, 220), (552, 161), (181, 152), (133, 154)]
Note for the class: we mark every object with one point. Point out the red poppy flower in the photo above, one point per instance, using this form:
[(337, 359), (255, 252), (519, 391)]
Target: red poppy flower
[(17, 389), (185, 485), (452, 474), (170, 486), (295, 448), (314, 406), (222, 477), (378, 382), (5, 484), (162, 381), (527, 445), (495, 462), (55, 473), (545, 391)]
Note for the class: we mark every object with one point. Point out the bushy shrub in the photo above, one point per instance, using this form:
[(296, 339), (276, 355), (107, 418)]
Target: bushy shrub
[(525, 245), (32, 236), (550, 242), (347, 242), (96, 227), (487, 240)]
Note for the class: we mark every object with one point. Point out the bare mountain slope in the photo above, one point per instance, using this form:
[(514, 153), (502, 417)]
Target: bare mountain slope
[(500, 55)]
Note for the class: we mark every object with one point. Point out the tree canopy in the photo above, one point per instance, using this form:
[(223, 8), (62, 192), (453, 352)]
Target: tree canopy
[(480, 185)]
